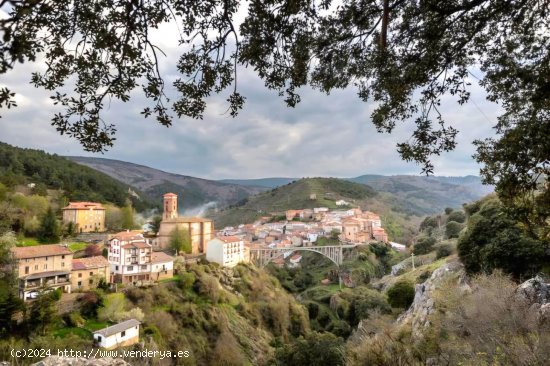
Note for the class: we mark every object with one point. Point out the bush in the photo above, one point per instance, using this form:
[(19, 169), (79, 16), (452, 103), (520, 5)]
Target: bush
[(457, 216), (495, 241), (452, 229), (423, 276), (187, 279), (75, 319), (424, 245), (444, 251), (401, 295), (317, 349)]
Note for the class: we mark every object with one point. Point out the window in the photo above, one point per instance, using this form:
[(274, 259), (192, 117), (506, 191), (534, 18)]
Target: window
[(91, 282), (91, 273), (130, 268), (35, 267), (144, 267), (62, 264), (116, 268), (62, 257), (123, 334), (79, 275), (99, 338), (27, 270), (45, 266), (79, 283)]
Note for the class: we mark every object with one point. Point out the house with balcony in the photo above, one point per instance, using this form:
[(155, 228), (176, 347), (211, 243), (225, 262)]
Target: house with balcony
[(42, 267), (130, 258)]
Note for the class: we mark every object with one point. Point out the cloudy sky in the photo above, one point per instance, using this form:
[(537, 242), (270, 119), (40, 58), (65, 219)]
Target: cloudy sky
[(323, 136)]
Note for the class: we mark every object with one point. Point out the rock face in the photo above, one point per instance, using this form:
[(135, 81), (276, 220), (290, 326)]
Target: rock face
[(423, 303), (534, 291), (68, 361)]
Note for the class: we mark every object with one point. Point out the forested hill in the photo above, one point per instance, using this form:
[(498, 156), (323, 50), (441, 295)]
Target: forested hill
[(23, 166), (303, 193)]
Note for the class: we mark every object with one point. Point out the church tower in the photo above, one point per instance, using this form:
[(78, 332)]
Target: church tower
[(170, 206)]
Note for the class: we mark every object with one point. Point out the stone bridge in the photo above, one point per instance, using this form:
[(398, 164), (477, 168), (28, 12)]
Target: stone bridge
[(262, 256)]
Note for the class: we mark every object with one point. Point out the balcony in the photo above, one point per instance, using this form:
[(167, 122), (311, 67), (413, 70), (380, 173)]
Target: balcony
[(52, 278)]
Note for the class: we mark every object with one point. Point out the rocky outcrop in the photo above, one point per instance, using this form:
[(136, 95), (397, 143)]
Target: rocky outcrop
[(423, 303), (536, 293), (68, 361)]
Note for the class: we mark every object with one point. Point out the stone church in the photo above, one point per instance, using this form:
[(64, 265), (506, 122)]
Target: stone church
[(200, 229)]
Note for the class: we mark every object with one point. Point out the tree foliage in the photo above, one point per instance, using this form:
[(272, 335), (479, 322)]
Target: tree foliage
[(180, 240), (494, 240), (452, 229), (401, 294), (313, 349), (424, 245), (406, 56), (49, 228)]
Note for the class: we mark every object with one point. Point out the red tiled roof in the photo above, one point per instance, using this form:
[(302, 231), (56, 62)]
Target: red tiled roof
[(84, 206), (229, 239), (89, 262), (160, 257), (137, 244), (169, 194), (40, 251)]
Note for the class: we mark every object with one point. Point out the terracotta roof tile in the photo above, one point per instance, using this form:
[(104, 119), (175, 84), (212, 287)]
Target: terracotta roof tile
[(40, 251), (84, 206), (89, 262), (160, 257)]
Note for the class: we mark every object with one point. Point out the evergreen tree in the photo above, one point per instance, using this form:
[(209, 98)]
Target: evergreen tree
[(9, 301), (127, 217), (49, 228), (43, 311)]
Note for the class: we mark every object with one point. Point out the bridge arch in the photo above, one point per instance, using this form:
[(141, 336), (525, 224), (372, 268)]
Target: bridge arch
[(334, 253)]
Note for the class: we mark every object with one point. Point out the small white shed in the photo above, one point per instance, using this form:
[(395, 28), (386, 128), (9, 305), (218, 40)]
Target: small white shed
[(118, 335)]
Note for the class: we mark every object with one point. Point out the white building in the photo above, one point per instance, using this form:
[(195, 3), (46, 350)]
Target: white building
[(118, 335), (130, 258), (320, 209), (162, 266), (227, 251), (342, 203)]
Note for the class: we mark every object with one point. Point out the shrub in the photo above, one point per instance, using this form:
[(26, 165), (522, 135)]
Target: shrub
[(495, 241), (423, 276), (75, 319), (448, 210), (315, 349), (457, 216), (444, 251), (401, 294), (424, 245), (452, 229), (187, 279)]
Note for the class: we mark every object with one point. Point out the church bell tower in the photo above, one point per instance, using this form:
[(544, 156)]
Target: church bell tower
[(170, 206)]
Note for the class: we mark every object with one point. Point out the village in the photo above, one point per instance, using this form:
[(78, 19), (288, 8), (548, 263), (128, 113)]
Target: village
[(140, 257)]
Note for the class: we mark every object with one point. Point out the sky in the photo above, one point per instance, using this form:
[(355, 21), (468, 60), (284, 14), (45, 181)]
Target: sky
[(324, 135)]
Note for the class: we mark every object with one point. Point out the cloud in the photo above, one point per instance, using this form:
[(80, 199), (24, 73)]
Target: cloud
[(324, 135)]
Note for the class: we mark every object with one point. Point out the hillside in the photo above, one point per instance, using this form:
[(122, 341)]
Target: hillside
[(296, 195), (154, 183), (23, 166), (415, 195)]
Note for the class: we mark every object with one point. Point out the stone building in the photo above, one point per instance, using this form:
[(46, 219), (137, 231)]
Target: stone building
[(87, 216), (200, 230)]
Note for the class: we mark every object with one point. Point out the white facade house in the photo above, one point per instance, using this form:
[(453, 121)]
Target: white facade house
[(342, 203), (130, 258), (227, 251), (118, 335), (320, 209)]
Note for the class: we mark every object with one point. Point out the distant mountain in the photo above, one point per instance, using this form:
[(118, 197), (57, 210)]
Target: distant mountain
[(154, 183), (24, 166)]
